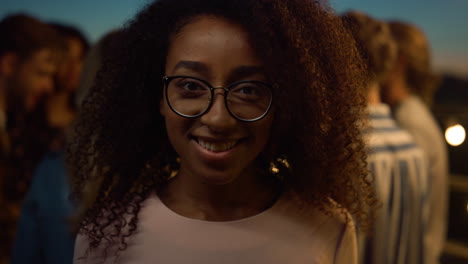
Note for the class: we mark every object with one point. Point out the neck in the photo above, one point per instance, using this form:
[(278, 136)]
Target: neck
[(373, 95), (59, 114), (398, 87), (401, 93), (242, 198)]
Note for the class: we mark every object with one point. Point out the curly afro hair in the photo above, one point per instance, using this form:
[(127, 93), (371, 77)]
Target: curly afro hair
[(121, 152)]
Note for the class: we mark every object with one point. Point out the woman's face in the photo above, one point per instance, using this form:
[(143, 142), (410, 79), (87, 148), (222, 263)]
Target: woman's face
[(215, 148)]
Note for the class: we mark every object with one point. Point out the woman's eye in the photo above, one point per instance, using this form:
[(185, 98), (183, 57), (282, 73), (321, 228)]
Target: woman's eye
[(248, 90), (192, 86)]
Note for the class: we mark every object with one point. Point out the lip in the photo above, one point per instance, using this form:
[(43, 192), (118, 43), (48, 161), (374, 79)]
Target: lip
[(213, 156), (217, 146)]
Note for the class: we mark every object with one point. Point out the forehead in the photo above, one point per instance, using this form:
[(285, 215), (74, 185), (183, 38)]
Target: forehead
[(209, 29), (214, 41)]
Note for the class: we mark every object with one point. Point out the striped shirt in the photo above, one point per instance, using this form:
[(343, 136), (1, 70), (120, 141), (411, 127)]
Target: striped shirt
[(400, 173), (411, 114)]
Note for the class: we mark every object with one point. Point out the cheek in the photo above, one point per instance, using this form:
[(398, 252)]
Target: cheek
[(176, 128), (263, 132)]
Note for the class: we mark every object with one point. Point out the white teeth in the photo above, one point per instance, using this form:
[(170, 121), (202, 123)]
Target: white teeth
[(217, 147)]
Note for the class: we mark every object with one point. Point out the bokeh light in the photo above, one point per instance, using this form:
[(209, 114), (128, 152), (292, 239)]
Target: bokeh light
[(455, 135)]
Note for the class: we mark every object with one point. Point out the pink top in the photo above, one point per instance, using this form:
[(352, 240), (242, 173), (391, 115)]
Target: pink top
[(281, 234)]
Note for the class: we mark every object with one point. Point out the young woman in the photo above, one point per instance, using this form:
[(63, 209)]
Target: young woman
[(224, 132)]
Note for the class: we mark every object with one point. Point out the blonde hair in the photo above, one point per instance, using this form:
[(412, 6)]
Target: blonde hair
[(414, 48), (374, 39)]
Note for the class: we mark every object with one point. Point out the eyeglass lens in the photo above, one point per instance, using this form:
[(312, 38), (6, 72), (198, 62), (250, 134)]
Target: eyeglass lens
[(245, 100)]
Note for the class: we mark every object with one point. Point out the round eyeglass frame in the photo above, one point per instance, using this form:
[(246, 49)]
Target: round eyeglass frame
[(167, 79)]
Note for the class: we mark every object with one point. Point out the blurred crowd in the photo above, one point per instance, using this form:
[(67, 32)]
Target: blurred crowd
[(41, 70), (46, 69), (407, 153), (41, 66)]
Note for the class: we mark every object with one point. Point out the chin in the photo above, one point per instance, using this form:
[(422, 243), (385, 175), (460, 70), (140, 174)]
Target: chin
[(218, 178)]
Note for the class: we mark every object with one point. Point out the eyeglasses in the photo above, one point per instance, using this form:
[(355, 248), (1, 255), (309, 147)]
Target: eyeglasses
[(192, 97)]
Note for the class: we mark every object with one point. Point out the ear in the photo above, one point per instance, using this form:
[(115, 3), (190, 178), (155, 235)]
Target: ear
[(8, 63)]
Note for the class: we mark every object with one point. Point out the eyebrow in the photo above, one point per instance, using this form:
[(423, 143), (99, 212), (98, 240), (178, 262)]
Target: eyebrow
[(237, 74), (193, 65)]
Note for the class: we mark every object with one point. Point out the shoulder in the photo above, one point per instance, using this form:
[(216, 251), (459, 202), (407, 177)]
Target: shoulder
[(331, 215), (412, 112), (81, 247), (345, 250), (333, 228), (51, 166), (383, 133), (50, 179), (84, 254)]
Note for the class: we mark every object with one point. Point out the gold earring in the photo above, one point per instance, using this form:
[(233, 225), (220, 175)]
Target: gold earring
[(278, 166)]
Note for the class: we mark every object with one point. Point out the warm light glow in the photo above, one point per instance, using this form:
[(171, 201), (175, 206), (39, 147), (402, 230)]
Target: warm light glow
[(455, 135)]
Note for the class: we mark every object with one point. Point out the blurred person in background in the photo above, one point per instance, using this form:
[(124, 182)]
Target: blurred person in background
[(93, 63), (396, 162), (60, 105), (28, 58), (35, 132), (44, 232), (408, 89), (43, 129)]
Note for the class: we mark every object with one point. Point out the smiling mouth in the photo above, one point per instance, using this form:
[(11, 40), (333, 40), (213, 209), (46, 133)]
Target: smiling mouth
[(216, 146)]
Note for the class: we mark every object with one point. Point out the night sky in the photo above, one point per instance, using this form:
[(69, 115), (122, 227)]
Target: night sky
[(445, 22)]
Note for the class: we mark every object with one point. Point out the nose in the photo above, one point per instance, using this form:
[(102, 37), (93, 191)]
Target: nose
[(218, 118)]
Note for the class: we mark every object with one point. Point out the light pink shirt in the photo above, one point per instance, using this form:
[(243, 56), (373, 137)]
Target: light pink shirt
[(281, 234)]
